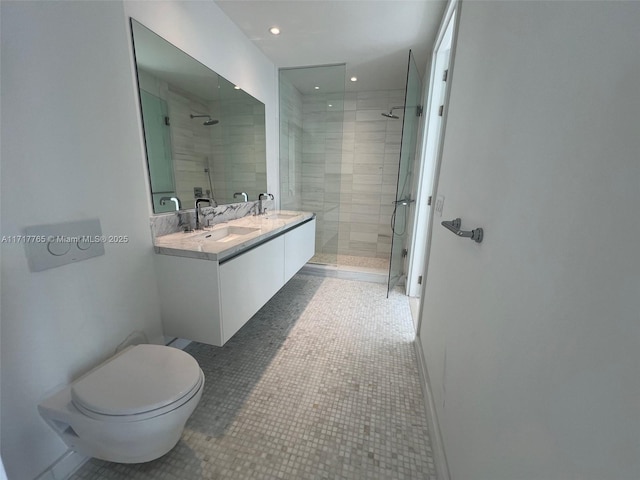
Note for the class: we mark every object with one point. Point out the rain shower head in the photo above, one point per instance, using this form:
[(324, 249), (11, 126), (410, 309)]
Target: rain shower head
[(208, 122), (390, 114)]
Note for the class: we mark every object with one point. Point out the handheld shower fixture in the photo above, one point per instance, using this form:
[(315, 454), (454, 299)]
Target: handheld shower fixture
[(390, 114), (211, 121)]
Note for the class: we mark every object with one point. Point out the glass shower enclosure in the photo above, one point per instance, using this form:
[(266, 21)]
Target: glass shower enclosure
[(403, 201), (351, 165), (311, 130)]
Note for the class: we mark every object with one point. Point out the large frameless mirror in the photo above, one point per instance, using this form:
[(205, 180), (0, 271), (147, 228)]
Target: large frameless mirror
[(204, 137)]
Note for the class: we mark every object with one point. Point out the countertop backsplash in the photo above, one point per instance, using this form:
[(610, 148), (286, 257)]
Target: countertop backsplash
[(173, 222)]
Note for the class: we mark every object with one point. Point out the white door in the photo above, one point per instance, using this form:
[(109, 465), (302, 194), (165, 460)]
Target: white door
[(432, 141)]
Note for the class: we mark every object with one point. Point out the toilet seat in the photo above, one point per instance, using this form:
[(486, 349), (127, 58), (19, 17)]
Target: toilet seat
[(141, 382)]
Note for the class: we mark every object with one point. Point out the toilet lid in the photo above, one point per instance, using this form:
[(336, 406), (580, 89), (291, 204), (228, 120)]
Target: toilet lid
[(140, 379)]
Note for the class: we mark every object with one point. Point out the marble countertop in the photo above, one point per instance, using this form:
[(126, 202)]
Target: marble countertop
[(228, 239)]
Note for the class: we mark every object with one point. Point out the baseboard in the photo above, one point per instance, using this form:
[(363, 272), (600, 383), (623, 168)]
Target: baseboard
[(439, 456), (64, 467)]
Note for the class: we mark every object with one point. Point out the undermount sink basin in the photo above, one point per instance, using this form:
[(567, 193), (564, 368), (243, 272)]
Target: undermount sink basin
[(281, 216), (226, 234)]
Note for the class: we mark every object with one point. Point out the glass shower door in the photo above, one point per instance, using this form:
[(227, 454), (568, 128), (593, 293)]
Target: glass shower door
[(403, 201), (311, 131)]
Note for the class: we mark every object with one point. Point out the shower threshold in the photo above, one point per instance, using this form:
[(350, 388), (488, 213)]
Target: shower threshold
[(366, 269)]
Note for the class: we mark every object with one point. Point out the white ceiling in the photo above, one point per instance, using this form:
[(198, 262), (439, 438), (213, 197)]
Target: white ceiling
[(373, 37)]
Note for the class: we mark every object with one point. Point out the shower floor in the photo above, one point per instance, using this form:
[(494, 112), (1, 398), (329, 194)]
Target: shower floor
[(351, 261), (350, 267)]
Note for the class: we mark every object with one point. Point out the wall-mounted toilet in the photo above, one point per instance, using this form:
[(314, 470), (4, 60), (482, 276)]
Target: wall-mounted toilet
[(130, 409)]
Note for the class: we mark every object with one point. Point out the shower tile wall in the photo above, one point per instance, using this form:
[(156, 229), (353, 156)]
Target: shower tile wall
[(348, 169), (322, 130), (370, 157), (290, 146), (310, 159)]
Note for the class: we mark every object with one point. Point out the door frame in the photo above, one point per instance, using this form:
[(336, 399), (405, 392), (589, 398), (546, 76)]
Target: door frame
[(446, 40)]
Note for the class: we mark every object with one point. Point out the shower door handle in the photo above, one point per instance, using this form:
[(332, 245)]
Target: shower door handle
[(454, 226)]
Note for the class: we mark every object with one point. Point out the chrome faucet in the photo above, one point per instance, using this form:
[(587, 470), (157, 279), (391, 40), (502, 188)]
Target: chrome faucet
[(176, 200), (198, 201), (243, 194), (263, 196)]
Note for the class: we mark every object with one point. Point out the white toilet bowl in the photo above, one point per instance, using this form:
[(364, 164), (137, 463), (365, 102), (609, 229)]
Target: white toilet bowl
[(130, 409)]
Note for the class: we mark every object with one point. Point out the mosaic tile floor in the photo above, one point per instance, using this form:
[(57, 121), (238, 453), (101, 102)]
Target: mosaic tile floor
[(322, 383)]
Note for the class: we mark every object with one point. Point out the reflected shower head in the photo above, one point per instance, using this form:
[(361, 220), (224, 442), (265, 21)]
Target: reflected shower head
[(211, 121), (390, 114)]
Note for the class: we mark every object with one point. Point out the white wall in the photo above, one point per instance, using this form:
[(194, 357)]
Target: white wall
[(532, 337), (72, 149)]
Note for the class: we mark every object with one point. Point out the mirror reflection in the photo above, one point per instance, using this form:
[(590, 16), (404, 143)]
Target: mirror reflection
[(204, 137)]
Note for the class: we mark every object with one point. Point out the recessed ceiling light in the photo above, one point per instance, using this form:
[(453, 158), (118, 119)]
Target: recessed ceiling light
[(237, 87), (330, 105), (274, 31), (354, 79), (316, 88)]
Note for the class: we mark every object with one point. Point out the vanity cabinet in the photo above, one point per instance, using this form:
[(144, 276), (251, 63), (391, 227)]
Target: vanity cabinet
[(248, 281), (299, 247), (209, 301)]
